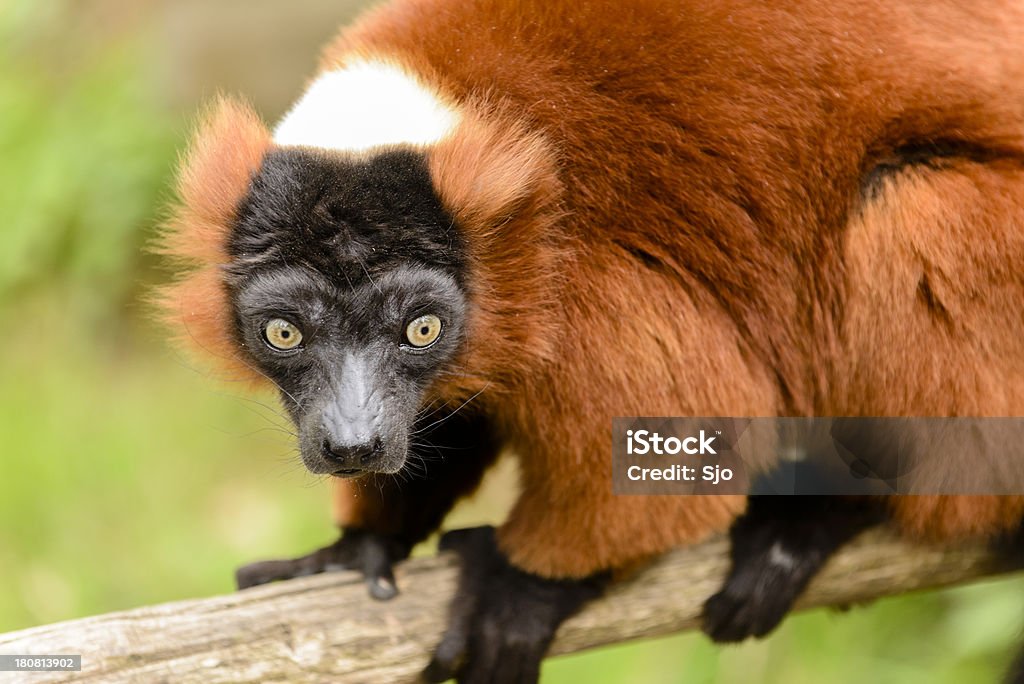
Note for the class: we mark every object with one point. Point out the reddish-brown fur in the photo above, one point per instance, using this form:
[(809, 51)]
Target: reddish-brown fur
[(227, 149), (665, 212), (934, 277)]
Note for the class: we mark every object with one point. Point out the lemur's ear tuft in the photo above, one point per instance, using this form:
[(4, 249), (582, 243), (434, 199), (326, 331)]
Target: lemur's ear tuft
[(484, 172), (213, 178)]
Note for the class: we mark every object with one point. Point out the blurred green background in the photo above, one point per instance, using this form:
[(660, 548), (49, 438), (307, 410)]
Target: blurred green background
[(129, 477)]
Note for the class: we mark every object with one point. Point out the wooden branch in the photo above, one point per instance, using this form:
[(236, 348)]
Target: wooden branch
[(326, 629)]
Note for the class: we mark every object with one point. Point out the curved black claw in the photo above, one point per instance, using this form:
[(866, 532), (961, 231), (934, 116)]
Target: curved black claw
[(778, 546), (370, 553), (502, 619)]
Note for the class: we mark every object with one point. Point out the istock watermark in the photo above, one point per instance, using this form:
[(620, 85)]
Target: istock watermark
[(843, 456), (644, 442)]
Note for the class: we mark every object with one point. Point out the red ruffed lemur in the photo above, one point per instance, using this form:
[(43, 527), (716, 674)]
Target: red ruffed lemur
[(493, 225)]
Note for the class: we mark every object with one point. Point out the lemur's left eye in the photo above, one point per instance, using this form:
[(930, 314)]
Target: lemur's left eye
[(423, 331), (281, 334)]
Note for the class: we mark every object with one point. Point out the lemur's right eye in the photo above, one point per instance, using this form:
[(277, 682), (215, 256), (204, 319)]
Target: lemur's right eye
[(423, 331), (281, 334)]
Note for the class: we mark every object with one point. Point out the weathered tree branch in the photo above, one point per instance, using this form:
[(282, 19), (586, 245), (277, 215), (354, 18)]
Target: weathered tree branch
[(326, 628)]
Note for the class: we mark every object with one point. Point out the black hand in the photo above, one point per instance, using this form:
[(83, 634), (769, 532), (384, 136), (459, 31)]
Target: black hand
[(778, 546), (370, 553), (502, 619)]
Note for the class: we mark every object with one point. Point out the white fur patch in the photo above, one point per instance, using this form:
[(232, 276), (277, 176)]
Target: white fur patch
[(364, 105), (779, 556)]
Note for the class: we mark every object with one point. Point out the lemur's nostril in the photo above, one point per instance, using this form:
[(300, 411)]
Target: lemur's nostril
[(375, 451), (350, 455)]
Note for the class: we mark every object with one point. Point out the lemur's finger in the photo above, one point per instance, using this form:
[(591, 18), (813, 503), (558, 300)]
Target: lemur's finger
[(337, 556), (255, 574), (264, 572), (483, 658), (371, 554), (376, 567), (449, 657)]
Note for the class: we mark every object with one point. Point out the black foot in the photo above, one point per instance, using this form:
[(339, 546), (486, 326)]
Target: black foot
[(372, 554), (778, 546), (502, 619)]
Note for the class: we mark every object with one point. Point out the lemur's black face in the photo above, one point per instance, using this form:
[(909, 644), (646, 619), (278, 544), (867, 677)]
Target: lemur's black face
[(347, 282)]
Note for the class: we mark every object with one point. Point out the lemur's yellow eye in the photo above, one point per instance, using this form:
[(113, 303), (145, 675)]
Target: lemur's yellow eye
[(422, 331), (280, 334)]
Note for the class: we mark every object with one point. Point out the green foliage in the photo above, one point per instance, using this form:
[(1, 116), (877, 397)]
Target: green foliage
[(86, 155)]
